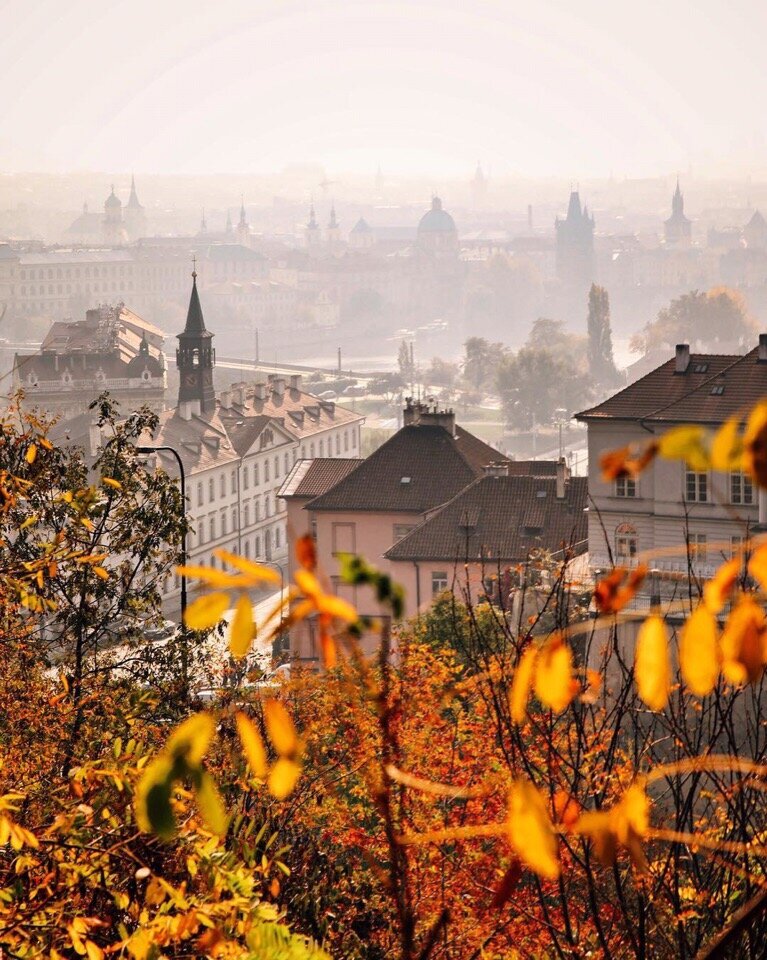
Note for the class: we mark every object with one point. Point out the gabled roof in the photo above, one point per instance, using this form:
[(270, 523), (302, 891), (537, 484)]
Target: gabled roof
[(310, 478), (201, 441), (713, 388), (500, 518), (418, 468)]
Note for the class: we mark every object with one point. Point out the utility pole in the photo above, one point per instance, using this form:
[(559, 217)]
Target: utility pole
[(339, 359), (255, 330)]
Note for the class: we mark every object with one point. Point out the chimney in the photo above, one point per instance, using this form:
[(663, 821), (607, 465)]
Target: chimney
[(259, 391), (563, 475), (225, 399), (419, 414), (295, 381), (762, 355), (498, 468), (278, 386), (409, 414), (682, 358), (238, 394)]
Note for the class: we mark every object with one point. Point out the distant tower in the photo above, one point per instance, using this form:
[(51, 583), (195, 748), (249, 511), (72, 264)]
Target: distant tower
[(575, 243), (677, 229), (203, 225), (312, 232), (755, 232), (334, 232), (135, 217), (437, 234), (478, 188), (195, 358), (229, 227), (243, 230), (113, 220)]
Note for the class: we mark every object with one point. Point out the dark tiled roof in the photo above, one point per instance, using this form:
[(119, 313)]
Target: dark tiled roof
[(500, 518), (418, 468), (311, 478), (531, 468), (244, 432), (713, 388)]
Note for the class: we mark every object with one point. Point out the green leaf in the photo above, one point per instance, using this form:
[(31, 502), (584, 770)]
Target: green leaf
[(210, 803)]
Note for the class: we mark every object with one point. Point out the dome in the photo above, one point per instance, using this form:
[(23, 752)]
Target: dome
[(436, 220), (140, 363), (112, 201)]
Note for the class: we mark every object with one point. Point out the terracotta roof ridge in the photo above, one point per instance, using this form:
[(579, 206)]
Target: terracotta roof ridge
[(703, 383)]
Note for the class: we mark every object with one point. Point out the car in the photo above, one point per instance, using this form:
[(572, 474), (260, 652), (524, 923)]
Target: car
[(328, 395)]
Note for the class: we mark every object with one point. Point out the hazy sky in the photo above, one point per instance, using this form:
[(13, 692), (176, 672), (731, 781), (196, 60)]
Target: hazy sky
[(568, 87)]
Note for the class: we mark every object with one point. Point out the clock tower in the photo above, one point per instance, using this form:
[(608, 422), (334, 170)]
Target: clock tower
[(195, 358)]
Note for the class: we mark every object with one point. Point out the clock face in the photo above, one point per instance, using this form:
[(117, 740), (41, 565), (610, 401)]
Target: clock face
[(190, 379)]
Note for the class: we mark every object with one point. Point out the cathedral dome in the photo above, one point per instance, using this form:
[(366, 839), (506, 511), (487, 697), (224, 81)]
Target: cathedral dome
[(436, 220), (112, 201)]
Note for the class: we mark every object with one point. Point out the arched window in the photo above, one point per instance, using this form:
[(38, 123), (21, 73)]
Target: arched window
[(625, 542)]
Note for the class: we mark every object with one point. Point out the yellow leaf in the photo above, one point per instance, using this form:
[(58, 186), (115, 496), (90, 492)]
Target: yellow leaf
[(757, 565), (755, 444), (554, 675), (699, 651), (727, 447), (255, 571), (111, 482), (633, 814), (283, 778), (213, 577), (101, 572), (207, 611), (336, 607), (31, 453), (744, 643), (242, 627), (308, 584), (688, 443), (652, 666), (252, 745), (521, 684), (280, 728), (717, 591), (210, 803), (192, 738), (530, 831), (93, 951)]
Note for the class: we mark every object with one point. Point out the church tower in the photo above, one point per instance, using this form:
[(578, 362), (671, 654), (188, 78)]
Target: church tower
[(113, 220), (312, 233), (243, 230), (575, 243), (678, 228), (135, 217), (334, 233), (195, 358)]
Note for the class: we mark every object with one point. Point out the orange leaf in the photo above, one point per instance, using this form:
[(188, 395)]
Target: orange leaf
[(334, 606), (757, 565), (306, 552), (521, 685), (530, 831), (744, 643), (717, 591), (699, 653), (280, 728), (328, 647), (283, 778), (255, 571), (242, 627), (755, 444), (252, 745), (554, 674), (652, 664), (625, 462), (31, 453)]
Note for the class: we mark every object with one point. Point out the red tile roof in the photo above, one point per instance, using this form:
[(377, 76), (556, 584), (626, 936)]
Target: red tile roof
[(712, 388), (310, 478), (500, 518)]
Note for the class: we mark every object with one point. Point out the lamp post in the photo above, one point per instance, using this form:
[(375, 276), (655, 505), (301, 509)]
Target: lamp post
[(182, 476), (274, 565)]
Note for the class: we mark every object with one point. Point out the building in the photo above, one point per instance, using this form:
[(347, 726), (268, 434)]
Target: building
[(114, 230), (135, 216), (678, 228), (475, 541), (237, 449), (361, 236), (437, 233), (112, 350), (424, 465), (575, 243), (669, 506), (755, 232)]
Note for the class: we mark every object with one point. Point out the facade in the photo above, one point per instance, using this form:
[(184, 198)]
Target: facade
[(575, 243), (113, 350), (237, 449), (437, 233)]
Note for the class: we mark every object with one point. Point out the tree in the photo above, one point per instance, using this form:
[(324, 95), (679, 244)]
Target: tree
[(720, 315), (480, 363), (600, 342), (534, 383), (441, 373), (405, 361)]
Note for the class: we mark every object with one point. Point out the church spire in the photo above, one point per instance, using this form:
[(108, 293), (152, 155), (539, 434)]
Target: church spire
[(243, 221), (133, 201), (195, 358)]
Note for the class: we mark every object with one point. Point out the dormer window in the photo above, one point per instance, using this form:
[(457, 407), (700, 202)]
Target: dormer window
[(405, 480)]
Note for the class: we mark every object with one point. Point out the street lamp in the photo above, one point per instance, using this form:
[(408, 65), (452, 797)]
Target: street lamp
[(274, 565), (182, 475)]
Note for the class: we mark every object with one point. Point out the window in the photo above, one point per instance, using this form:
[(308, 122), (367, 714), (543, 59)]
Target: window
[(245, 479), (346, 440), (344, 537), (625, 541), (247, 549), (223, 523), (625, 487), (438, 582), (276, 467), (235, 524), (256, 510), (222, 485), (736, 545), (322, 448), (199, 495), (741, 488), (276, 537), (287, 462), (256, 481), (338, 443), (695, 486), (246, 516), (212, 526), (211, 490), (311, 451), (698, 547), (402, 530), (257, 549), (201, 534), (354, 439), (266, 471), (234, 481)]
